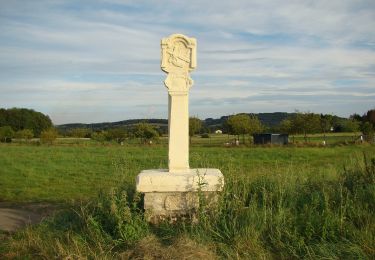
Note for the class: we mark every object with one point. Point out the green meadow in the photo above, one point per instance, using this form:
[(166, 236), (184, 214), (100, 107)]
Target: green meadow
[(278, 202)]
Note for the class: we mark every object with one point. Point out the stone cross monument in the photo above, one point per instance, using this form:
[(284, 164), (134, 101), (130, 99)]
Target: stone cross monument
[(174, 192), (178, 59)]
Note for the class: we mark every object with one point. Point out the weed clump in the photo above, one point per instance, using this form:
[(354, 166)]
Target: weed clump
[(115, 218)]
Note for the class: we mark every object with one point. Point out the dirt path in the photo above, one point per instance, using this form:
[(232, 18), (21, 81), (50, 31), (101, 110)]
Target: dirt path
[(16, 216)]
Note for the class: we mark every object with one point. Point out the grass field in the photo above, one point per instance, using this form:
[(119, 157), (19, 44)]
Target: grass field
[(62, 173), (278, 202)]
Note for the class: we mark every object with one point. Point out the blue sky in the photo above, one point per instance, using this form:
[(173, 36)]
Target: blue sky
[(95, 61)]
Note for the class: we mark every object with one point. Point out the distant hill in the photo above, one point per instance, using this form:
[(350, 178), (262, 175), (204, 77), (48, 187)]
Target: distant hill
[(108, 125), (268, 119)]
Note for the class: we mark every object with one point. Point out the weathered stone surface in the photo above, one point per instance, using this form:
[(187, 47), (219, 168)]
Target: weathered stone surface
[(175, 205), (161, 180), (178, 58)]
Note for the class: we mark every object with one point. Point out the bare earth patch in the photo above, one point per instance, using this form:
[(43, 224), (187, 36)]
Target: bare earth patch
[(15, 216)]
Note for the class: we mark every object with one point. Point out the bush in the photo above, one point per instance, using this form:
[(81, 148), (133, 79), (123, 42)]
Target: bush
[(205, 136), (26, 134), (145, 132), (48, 136), (99, 136), (6, 134), (116, 217), (118, 134), (368, 131)]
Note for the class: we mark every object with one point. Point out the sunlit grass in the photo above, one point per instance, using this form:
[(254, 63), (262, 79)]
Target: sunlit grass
[(278, 202)]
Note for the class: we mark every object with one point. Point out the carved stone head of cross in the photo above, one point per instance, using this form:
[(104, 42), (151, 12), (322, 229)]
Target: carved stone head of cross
[(178, 58)]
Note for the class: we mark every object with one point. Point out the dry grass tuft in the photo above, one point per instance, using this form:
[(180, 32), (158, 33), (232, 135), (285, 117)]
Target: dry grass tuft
[(182, 248)]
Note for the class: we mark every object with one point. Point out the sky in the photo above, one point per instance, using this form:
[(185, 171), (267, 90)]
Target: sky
[(99, 61)]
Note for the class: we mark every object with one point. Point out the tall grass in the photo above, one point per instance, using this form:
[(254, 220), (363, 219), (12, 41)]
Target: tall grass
[(302, 213), (301, 216)]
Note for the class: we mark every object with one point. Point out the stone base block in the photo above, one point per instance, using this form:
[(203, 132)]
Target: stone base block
[(172, 206), (161, 180), (169, 195)]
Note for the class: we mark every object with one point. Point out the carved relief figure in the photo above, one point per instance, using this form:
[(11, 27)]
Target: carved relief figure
[(178, 59), (179, 55)]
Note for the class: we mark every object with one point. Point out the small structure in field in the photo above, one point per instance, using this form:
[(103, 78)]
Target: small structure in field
[(271, 138), (218, 131)]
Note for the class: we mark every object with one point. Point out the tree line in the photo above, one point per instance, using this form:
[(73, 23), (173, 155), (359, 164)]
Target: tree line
[(310, 123), (27, 123), (301, 123), (144, 131)]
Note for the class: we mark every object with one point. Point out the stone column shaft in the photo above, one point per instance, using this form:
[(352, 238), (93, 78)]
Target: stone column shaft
[(178, 131)]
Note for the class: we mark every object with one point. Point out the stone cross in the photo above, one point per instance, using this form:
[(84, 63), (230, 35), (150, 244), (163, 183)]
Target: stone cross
[(173, 192), (178, 59)]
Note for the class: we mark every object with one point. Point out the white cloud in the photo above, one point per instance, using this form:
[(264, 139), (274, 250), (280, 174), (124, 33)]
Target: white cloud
[(63, 57)]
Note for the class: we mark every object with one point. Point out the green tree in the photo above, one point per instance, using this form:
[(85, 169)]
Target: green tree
[(42, 122), (99, 136), (239, 125), (22, 118), (26, 134), (286, 126), (357, 117), (350, 125), (370, 117), (118, 134), (195, 125), (305, 123), (6, 134), (145, 132), (346, 125), (242, 124), (368, 131), (326, 122), (255, 125), (3, 117), (48, 136)]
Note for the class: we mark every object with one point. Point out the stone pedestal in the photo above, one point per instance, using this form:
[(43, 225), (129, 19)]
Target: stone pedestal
[(171, 195)]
